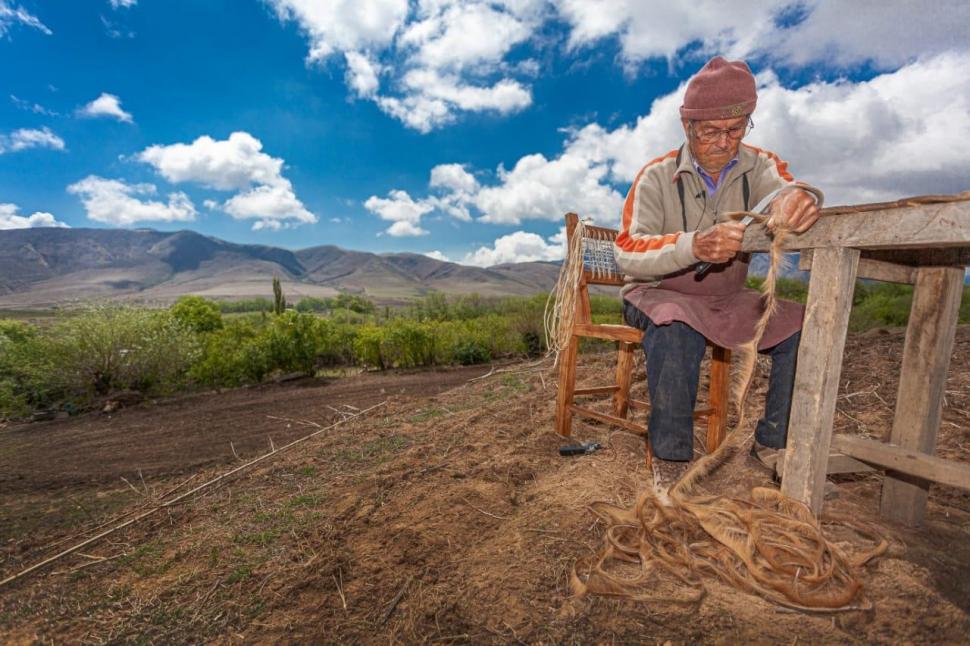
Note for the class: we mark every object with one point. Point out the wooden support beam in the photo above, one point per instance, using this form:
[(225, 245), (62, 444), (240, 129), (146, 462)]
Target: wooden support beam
[(923, 225), (836, 464), (870, 269), (817, 375), (636, 429), (899, 460), (596, 390), (717, 397), (567, 383), (609, 332), (624, 372), (919, 400)]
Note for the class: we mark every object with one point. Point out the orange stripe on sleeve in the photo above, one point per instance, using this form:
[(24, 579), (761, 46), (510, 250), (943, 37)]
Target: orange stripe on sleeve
[(625, 240), (780, 165)]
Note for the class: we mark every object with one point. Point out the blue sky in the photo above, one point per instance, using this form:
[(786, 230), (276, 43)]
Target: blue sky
[(459, 128)]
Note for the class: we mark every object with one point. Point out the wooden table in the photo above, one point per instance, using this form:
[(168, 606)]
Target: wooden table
[(924, 242)]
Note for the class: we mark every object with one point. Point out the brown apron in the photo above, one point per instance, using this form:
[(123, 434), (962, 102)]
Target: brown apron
[(717, 305)]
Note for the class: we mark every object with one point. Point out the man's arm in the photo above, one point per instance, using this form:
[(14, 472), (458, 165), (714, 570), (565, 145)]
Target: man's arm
[(797, 203), (642, 249)]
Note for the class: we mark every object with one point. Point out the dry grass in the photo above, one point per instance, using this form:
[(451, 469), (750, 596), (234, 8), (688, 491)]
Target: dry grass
[(453, 519)]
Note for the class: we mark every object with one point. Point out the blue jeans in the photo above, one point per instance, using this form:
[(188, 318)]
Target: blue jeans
[(673, 354)]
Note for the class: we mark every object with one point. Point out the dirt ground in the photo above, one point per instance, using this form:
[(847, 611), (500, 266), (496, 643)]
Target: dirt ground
[(444, 515)]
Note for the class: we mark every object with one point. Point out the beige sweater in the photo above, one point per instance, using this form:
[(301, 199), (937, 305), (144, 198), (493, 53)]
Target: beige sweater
[(652, 242)]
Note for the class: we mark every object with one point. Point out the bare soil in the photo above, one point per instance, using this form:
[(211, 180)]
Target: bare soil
[(445, 515)]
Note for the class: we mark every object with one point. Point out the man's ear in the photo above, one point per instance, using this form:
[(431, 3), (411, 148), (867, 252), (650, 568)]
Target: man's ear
[(686, 124)]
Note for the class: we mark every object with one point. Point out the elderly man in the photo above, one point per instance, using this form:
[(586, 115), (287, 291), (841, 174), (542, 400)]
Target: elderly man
[(674, 219)]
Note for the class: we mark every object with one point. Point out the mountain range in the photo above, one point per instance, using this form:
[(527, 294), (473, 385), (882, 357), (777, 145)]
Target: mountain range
[(40, 267)]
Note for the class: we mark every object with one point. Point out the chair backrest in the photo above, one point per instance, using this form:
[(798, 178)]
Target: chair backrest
[(599, 263)]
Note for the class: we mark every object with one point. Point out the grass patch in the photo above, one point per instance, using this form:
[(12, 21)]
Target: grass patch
[(304, 500), (241, 573), (263, 538), (426, 414), (374, 452)]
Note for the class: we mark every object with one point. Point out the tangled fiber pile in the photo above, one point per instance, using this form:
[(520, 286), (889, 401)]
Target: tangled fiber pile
[(766, 544)]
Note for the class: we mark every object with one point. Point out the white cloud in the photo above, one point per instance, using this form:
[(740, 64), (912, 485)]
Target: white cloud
[(453, 177), (234, 164), (271, 206), (442, 59), (464, 34), (12, 14), (437, 255), (834, 32), (344, 25), (25, 138), (10, 220), (537, 188), (113, 201), (402, 210), (520, 246), (889, 34), (106, 105), (36, 108), (118, 4), (362, 74)]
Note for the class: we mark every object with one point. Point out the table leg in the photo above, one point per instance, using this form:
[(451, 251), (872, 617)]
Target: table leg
[(818, 372), (919, 400)]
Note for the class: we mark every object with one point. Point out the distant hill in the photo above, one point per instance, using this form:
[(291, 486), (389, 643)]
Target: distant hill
[(47, 266)]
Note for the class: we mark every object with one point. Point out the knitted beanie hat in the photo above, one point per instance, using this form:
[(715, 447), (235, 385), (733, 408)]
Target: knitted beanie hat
[(720, 90)]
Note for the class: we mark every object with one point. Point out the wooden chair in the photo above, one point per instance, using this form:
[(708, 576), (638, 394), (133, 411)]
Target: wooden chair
[(599, 268)]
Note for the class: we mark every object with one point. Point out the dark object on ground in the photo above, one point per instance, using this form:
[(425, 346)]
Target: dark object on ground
[(583, 448)]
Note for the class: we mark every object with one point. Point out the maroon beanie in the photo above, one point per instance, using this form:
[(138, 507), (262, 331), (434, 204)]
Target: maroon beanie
[(721, 90)]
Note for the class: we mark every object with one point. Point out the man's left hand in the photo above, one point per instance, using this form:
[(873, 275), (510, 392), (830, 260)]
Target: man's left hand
[(797, 208)]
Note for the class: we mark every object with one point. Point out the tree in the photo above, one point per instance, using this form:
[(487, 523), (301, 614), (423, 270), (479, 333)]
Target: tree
[(197, 314), (279, 301)]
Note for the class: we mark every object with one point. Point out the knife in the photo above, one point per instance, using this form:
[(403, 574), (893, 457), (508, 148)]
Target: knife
[(701, 268)]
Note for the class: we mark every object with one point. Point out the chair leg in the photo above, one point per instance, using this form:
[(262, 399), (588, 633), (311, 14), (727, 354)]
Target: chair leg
[(567, 385), (718, 396), (624, 371)]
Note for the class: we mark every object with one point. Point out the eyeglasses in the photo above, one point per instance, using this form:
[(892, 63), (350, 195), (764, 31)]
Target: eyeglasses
[(710, 135)]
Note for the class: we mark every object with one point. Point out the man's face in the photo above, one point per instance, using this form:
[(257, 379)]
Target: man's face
[(714, 143)]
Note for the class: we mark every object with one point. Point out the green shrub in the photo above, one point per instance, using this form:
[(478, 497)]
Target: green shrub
[(245, 305), (231, 356), (470, 352), (352, 302), (197, 314), (312, 304), (407, 344), (368, 346), (113, 347)]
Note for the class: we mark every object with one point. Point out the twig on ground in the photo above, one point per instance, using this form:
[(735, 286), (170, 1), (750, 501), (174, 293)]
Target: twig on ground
[(232, 446), (340, 591), (396, 600), (132, 486), (100, 559), (482, 511), (201, 602), (307, 422)]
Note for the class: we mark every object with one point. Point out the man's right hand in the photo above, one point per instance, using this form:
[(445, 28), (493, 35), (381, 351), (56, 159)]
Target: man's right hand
[(719, 243)]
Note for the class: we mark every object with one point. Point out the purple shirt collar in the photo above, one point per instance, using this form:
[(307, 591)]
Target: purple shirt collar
[(709, 182)]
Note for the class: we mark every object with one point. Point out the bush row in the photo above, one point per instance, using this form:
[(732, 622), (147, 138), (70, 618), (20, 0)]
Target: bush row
[(96, 351)]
